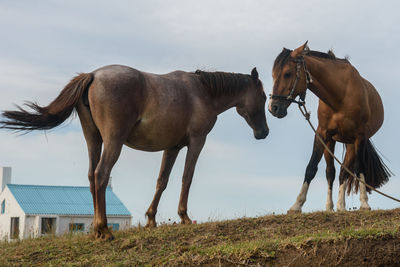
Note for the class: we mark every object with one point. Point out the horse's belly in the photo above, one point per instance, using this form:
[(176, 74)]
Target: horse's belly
[(343, 139), (156, 136)]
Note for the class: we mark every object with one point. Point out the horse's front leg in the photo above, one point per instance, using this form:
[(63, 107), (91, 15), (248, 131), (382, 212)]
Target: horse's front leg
[(194, 148), (311, 171), (330, 173), (169, 157)]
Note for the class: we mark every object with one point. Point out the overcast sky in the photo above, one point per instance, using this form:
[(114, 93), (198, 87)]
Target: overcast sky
[(45, 43)]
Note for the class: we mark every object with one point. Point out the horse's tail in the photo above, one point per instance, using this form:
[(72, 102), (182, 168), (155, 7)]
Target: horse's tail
[(375, 170), (44, 118)]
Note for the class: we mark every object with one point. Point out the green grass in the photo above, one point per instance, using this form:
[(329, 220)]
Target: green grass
[(243, 241)]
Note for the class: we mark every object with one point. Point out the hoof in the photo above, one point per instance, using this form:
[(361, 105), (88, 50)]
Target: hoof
[(108, 237), (104, 234), (105, 237), (329, 207), (293, 211), (365, 208), (341, 210), (151, 224), (186, 220)]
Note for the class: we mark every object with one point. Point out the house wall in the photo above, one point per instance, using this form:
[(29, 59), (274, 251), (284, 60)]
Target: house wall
[(124, 222), (64, 221), (33, 226), (12, 209)]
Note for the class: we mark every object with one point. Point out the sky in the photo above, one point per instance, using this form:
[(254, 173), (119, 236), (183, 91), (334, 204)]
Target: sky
[(45, 43)]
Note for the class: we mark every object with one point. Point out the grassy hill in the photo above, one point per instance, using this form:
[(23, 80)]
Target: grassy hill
[(346, 239)]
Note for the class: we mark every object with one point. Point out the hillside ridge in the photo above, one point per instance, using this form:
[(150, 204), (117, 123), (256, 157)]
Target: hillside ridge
[(309, 239)]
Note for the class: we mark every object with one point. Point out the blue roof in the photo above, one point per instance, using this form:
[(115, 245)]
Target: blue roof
[(63, 200)]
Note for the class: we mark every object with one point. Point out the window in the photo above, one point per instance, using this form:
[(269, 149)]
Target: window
[(14, 230), (113, 226), (3, 206), (76, 227), (48, 226)]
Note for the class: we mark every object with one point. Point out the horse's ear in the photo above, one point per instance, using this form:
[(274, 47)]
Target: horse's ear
[(254, 74), (295, 53)]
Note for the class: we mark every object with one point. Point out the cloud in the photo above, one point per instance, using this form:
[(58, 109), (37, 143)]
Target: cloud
[(20, 81)]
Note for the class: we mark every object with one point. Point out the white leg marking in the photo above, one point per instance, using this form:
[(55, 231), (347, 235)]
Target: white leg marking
[(329, 202), (363, 195), (341, 204), (301, 198)]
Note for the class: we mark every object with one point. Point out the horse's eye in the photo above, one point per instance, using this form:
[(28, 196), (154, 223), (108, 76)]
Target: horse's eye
[(287, 74)]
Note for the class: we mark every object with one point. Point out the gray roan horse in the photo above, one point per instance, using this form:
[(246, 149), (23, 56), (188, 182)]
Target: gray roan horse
[(350, 111), (120, 105)]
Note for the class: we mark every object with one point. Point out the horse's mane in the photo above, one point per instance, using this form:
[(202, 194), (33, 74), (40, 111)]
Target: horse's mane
[(328, 55), (220, 83), (284, 56)]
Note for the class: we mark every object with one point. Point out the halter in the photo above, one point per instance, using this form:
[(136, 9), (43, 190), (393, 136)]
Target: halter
[(290, 97)]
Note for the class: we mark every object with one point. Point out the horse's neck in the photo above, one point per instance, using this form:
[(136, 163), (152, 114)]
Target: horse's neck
[(328, 81), (227, 101)]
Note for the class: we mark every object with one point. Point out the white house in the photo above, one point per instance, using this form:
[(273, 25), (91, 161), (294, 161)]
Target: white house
[(35, 210)]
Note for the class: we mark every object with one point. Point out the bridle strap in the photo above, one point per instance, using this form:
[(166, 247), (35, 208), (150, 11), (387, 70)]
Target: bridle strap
[(300, 62)]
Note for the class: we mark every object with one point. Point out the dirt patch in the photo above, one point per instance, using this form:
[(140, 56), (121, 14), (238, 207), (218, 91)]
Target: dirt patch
[(384, 251)]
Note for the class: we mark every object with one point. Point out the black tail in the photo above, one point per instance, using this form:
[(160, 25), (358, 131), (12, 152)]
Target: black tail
[(375, 170), (44, 118)]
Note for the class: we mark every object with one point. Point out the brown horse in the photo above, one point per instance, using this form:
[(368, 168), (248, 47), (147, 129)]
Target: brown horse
[(119, 105), (350, 111)]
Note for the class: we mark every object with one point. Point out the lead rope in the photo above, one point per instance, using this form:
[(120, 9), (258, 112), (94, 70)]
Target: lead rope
[(306, 115)]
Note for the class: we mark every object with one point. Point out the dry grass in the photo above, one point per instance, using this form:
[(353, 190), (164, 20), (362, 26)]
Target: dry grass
[(348, 238)]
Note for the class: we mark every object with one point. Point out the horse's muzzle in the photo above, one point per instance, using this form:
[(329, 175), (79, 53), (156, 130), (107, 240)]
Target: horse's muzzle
[(278, 110), (261, 134)]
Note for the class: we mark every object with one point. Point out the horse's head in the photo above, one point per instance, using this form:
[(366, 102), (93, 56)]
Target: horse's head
[(290, 80), (252, 106)]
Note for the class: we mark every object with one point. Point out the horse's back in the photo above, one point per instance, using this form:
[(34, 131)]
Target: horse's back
[(119, 77), (116, 71)]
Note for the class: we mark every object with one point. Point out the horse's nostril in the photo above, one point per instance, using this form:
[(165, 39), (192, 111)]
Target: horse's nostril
[(274, 108)]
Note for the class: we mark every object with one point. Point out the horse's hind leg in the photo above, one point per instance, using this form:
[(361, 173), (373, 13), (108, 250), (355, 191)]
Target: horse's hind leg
[(94, 142), (111, 152), (330, 173), (359, 169), (169, 157), (363, 195), (311, 171), (194, 148), (348, 162)]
